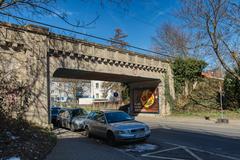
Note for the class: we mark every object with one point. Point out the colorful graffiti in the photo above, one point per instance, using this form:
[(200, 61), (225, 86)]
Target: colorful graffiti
[(146, 100)]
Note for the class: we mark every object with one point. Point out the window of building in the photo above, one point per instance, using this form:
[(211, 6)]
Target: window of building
[(97, 95), (97, 85)]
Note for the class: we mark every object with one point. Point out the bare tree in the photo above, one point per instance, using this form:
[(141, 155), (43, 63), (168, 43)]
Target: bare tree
[(48, 7), (111, 86), (39, 8), (171, 40), (217, 23), (118, 39)]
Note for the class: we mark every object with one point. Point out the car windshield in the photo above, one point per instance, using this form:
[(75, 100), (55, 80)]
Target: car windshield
[(113, 117), (79, 112)]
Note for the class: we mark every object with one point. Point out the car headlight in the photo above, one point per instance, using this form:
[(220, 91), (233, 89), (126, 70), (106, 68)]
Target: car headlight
[(147, 128), (123, 132)]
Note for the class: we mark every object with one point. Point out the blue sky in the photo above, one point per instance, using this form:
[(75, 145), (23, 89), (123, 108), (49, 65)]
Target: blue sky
[(139, 21), (138, 18)]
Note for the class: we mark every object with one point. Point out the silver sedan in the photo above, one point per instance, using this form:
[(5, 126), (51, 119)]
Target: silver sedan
[(71, 118), (115, 126)]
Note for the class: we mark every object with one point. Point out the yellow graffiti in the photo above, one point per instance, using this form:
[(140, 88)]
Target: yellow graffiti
[(147, 98)]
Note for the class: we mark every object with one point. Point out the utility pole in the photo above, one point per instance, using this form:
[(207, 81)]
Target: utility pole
[(221, 119), (220, 96)]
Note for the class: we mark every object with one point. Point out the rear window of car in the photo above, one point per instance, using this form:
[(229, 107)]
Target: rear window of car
[(113, 117), (79, 112), (94, 115)]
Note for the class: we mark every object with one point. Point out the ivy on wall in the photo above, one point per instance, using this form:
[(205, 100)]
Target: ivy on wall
[(186, 71), (167, 94), (231, 96)]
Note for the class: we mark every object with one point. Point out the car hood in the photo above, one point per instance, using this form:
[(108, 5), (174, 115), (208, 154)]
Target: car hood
[(127, 125)]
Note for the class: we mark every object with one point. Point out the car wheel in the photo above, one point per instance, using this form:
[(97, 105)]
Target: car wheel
[(111, 139), (87, 132)]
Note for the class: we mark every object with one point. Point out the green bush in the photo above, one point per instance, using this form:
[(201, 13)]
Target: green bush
[(232, 92), (186, 70)]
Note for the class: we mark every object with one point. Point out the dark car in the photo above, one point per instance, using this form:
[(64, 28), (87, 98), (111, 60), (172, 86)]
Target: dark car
[(125, 108), (72, 118), (54, 114), (115, 126)]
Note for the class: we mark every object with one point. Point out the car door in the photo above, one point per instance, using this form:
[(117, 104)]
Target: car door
[(90, 121), (100, 125)]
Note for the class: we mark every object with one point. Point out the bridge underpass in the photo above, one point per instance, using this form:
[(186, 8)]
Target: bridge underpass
[(135, 83)]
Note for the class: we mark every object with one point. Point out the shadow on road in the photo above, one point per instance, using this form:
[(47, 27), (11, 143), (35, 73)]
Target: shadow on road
[(223, 147), (168, 143)]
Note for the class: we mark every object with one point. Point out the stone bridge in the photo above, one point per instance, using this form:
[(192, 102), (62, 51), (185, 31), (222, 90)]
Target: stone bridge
[(38, 55)]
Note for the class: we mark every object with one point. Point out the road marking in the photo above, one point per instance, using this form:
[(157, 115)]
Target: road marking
[(160, 157), (165, 150), (150, 155), (192, 154), (215, 154), (203, 151), (171, 158)]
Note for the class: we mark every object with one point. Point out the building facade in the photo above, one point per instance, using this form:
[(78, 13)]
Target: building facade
[(85, 91)]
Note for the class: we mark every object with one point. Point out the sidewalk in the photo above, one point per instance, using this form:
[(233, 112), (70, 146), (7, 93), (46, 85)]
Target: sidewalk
[(194, 124), (74, 146)]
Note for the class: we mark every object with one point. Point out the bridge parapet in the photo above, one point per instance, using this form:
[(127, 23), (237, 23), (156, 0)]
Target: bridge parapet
[(21, 38), (106, 55)]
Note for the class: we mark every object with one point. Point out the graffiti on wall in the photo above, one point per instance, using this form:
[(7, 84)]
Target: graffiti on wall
[(146, 100)]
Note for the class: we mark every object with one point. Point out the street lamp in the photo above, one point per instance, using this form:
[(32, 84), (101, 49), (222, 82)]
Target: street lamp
[(222, 119)]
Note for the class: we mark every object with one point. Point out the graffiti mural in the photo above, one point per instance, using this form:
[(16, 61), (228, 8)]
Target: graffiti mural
[(146, 100)]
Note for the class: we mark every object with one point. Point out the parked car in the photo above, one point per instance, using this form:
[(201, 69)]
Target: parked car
[(54, 114), (72, 118), (125, 108), (115, 126)]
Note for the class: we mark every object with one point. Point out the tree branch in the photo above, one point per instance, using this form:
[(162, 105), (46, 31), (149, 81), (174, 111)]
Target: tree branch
[(232, 53), (59, 15), (6, 5)]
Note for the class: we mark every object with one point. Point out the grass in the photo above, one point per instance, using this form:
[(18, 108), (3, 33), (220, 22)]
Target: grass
[(212, 114)]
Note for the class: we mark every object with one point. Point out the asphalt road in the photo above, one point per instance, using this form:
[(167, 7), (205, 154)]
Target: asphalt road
[(193, 145), (165, 142)]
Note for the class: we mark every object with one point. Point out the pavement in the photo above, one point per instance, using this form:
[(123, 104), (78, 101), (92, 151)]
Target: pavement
[(231, 129), (74, 146), (171, 139)]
